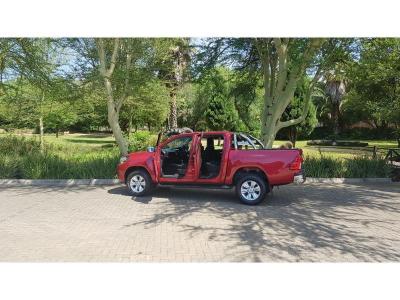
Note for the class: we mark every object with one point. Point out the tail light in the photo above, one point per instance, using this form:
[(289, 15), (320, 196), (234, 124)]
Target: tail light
[(296, 164)]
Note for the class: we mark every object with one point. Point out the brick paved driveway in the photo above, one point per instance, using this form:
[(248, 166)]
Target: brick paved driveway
[(315, 222)]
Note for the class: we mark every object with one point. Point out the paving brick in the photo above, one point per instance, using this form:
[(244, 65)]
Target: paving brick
[(313, 222)]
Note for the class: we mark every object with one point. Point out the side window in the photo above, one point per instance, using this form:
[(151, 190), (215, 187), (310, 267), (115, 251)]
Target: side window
[(219, 143), (244, 144), (213, 142), (184, 142)]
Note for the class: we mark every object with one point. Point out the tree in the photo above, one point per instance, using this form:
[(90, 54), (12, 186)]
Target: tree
[(148, 106), (282, 63), (294, 110), (247, 93), (214, 108), (60, 117), (124, 65), (113, 105), (173, 56), (335, 89), (373, 95), (33, 62)]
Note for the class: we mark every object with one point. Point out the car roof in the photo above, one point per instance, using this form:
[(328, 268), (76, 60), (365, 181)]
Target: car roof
[(212, 132)]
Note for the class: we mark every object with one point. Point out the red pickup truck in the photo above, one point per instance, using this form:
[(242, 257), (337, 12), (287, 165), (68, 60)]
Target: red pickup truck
[(212, 159)]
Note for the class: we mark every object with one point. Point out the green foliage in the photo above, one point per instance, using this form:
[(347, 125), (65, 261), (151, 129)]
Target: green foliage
[(22, 158), (295, 109), (60, 117), (375, 81), (247, 92), (214, 107), (140, 140), (148, 106), (357, 167)]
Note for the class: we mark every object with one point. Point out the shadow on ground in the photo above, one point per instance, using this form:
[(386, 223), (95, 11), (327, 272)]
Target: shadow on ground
[(293, 224)]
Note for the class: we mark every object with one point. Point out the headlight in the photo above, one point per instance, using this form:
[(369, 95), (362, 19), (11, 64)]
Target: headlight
[(123, 159)]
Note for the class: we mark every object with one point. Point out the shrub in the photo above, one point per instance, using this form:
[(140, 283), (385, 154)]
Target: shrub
[(354, 133), (140, 140), (337, 143), (356, 167), (18, 145), (21, 158)]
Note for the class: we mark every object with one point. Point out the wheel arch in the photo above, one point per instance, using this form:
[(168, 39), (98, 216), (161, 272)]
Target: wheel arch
[(239, 173), (135, 168)]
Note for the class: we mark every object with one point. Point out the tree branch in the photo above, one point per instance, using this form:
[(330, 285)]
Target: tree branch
[(113, 58), (281, 49), (315, 44), (264, 55), (102, 56)]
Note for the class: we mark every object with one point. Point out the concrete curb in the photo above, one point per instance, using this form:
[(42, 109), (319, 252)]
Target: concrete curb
[(348, 180), (100, 182), (57, 182)]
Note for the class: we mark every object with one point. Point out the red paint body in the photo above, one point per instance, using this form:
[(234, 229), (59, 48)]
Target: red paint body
[(274, 163)]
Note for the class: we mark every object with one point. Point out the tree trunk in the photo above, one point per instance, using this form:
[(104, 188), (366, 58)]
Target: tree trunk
[(130, 126), (41, 129), (335, 119), (113, 118), (293, 135), (280, 83), (173, 118), (268, 132), (113, 106)]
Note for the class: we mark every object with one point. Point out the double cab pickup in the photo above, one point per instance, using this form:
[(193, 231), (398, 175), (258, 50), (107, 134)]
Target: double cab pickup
[(217, 159)]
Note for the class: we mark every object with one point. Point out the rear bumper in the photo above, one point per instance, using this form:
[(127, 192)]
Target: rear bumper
[(299, 177)]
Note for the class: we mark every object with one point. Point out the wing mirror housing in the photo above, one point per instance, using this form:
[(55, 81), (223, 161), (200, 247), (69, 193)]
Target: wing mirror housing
[(151, 149)]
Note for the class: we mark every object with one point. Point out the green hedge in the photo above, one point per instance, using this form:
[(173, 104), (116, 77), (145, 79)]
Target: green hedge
[(337, 143), (357, 167)]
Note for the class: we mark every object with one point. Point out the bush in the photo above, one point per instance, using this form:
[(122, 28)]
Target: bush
[(354, 133), (140, 140), (18, 145), (22, 158), (337, 143), (356, 167)]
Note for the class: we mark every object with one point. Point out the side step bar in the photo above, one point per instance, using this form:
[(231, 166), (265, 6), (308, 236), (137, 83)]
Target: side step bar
[(204, 186)]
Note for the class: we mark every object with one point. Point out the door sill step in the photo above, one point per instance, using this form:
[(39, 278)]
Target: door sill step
[(204, 186)]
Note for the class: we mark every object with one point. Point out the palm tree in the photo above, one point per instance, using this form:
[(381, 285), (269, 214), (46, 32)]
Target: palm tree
[(335, 89)]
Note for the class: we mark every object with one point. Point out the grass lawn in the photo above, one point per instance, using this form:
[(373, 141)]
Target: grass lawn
[(343, 152)]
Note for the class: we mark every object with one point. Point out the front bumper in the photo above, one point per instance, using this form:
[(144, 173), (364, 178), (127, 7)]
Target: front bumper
[(299, 177), (121, 168)]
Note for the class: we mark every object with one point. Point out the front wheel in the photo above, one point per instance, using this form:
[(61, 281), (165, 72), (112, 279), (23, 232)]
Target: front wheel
[(251, 189), (139, 183)]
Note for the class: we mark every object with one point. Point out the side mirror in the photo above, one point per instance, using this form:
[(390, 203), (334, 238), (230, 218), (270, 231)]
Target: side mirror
[(151, 149)]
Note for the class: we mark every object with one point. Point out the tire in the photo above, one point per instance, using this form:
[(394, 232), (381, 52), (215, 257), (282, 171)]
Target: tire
[(251, 189), (139, 183)]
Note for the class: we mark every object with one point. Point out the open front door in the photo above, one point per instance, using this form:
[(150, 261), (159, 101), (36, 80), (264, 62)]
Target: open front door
[(197, 156), (175, 159)]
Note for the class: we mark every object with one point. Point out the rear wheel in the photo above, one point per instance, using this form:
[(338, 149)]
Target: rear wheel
[(251, 189), (139, 183)]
